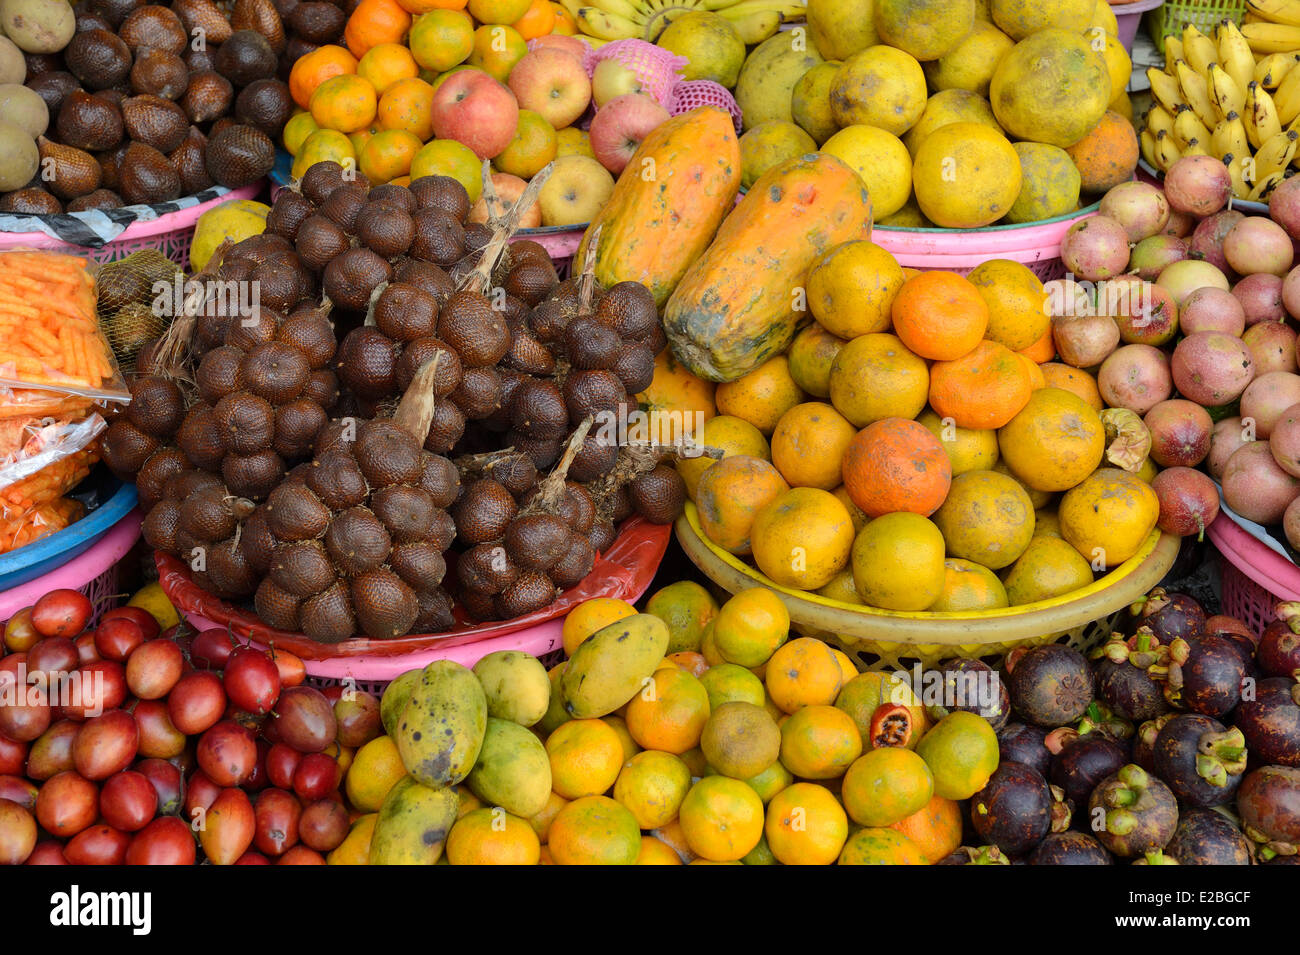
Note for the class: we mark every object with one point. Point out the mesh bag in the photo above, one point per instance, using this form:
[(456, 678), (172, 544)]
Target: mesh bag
[(692, 94), (128, 300), (657, 68)]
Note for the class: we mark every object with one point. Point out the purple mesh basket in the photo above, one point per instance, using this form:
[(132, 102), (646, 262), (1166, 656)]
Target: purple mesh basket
[(692, 94), (657, 67)]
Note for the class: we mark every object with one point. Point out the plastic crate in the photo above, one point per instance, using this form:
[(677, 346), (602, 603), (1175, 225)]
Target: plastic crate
[(1169, 18), (1255, 577)]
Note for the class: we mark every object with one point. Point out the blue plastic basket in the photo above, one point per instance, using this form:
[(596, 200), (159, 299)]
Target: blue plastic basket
[(27, 563)]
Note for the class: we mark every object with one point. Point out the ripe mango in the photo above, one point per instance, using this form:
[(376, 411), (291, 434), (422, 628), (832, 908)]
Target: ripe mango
[(610, 666), (394, 699), (513, 770), (441, 728), (355, 849), (413, 824), (516, 686)]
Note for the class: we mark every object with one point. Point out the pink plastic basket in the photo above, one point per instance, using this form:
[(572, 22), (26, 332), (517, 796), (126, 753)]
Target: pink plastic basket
[(1036, 245), (171, 234), (1255, 577), (93, 572)]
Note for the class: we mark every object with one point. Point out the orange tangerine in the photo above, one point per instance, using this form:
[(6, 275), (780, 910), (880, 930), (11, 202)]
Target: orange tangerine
[(586, 756), (388, 154), (808, 444), (446, 157), (497, 48), (594, 830), (321, 146), (886, 785), (804, 672), (669, 713), (730, 495), (806, 825), (721, 818), (652, 786), (310, 71), (762, 396), (296, 131), (564, 22), (492, 837), (619, 725), (541, 822), (819, 742), (441, 39), (802, 538), (416, 7), (385, 64), (532, 147), (881, 847), (750, 627), (345, 103), (406, 104), (374, 22), (935, 829), (537, 20), (654, 852), (498, 11)]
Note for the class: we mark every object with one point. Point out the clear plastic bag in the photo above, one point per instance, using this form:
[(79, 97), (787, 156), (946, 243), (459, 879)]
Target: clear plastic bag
[(20, 527), (34, 447), (50, 337)]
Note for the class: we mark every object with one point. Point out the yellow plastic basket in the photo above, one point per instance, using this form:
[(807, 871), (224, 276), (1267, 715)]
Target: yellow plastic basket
[(887, 640)]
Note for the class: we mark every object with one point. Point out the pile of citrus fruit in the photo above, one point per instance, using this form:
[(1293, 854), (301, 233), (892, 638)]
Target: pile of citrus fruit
[(371, 101), (920, 422), (727, 743)]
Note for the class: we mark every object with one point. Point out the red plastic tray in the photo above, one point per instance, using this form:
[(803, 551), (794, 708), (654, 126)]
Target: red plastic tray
[(624, 571)]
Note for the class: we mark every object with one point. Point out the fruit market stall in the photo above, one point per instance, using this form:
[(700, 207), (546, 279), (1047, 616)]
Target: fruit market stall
[(615, 432)]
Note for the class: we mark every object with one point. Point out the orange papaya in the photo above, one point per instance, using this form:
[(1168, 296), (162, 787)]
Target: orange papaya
[(668, 203), (739, 304)]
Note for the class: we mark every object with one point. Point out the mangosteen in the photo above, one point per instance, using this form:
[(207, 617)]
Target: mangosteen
[(1170, 615), (1084, 762), (1100, 718), (1279, 647), (974, 687), (1132, 812), (1050, 685), (1129, 675), (1016, 809), (970, 855), (1270, 721), (1205, 675), (1200, 759), (1156, 857), (1070, 848), (1023, 743), (1144, 741), (1269, 803), (1206, 837)]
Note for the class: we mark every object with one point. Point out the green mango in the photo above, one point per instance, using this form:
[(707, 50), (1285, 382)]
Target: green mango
[(611, 666), (516, 686), (441, 728), (413, 824), (513, 770), (394, 699)]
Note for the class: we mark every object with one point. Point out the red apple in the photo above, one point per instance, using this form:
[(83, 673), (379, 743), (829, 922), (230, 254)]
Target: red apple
[(612, 77), (508, 188), (475, 110), (619, 127), (573, 45), (552, 82)]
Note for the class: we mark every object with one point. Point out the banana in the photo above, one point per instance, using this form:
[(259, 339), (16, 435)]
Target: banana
[(1235, 54), (1198, 49), (1261, 189), (788, 9), (1262, 122), (1196, 93), (1276, 11), (1173, 53), (1225, 94), (1158, 118), (618, 8), (1194, 148), (1272, 37), (1147, 144), (1287, 98), (607, 26), (1229, 138), (1240, 187), (1165, 90), (1274, 68), (756, 26), (1276, 154), (1166, 152), (1188, 127)]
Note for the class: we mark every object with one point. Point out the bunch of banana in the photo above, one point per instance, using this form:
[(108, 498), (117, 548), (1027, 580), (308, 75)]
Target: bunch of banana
[(754, 20), (1214, 99), (1272, 26)]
